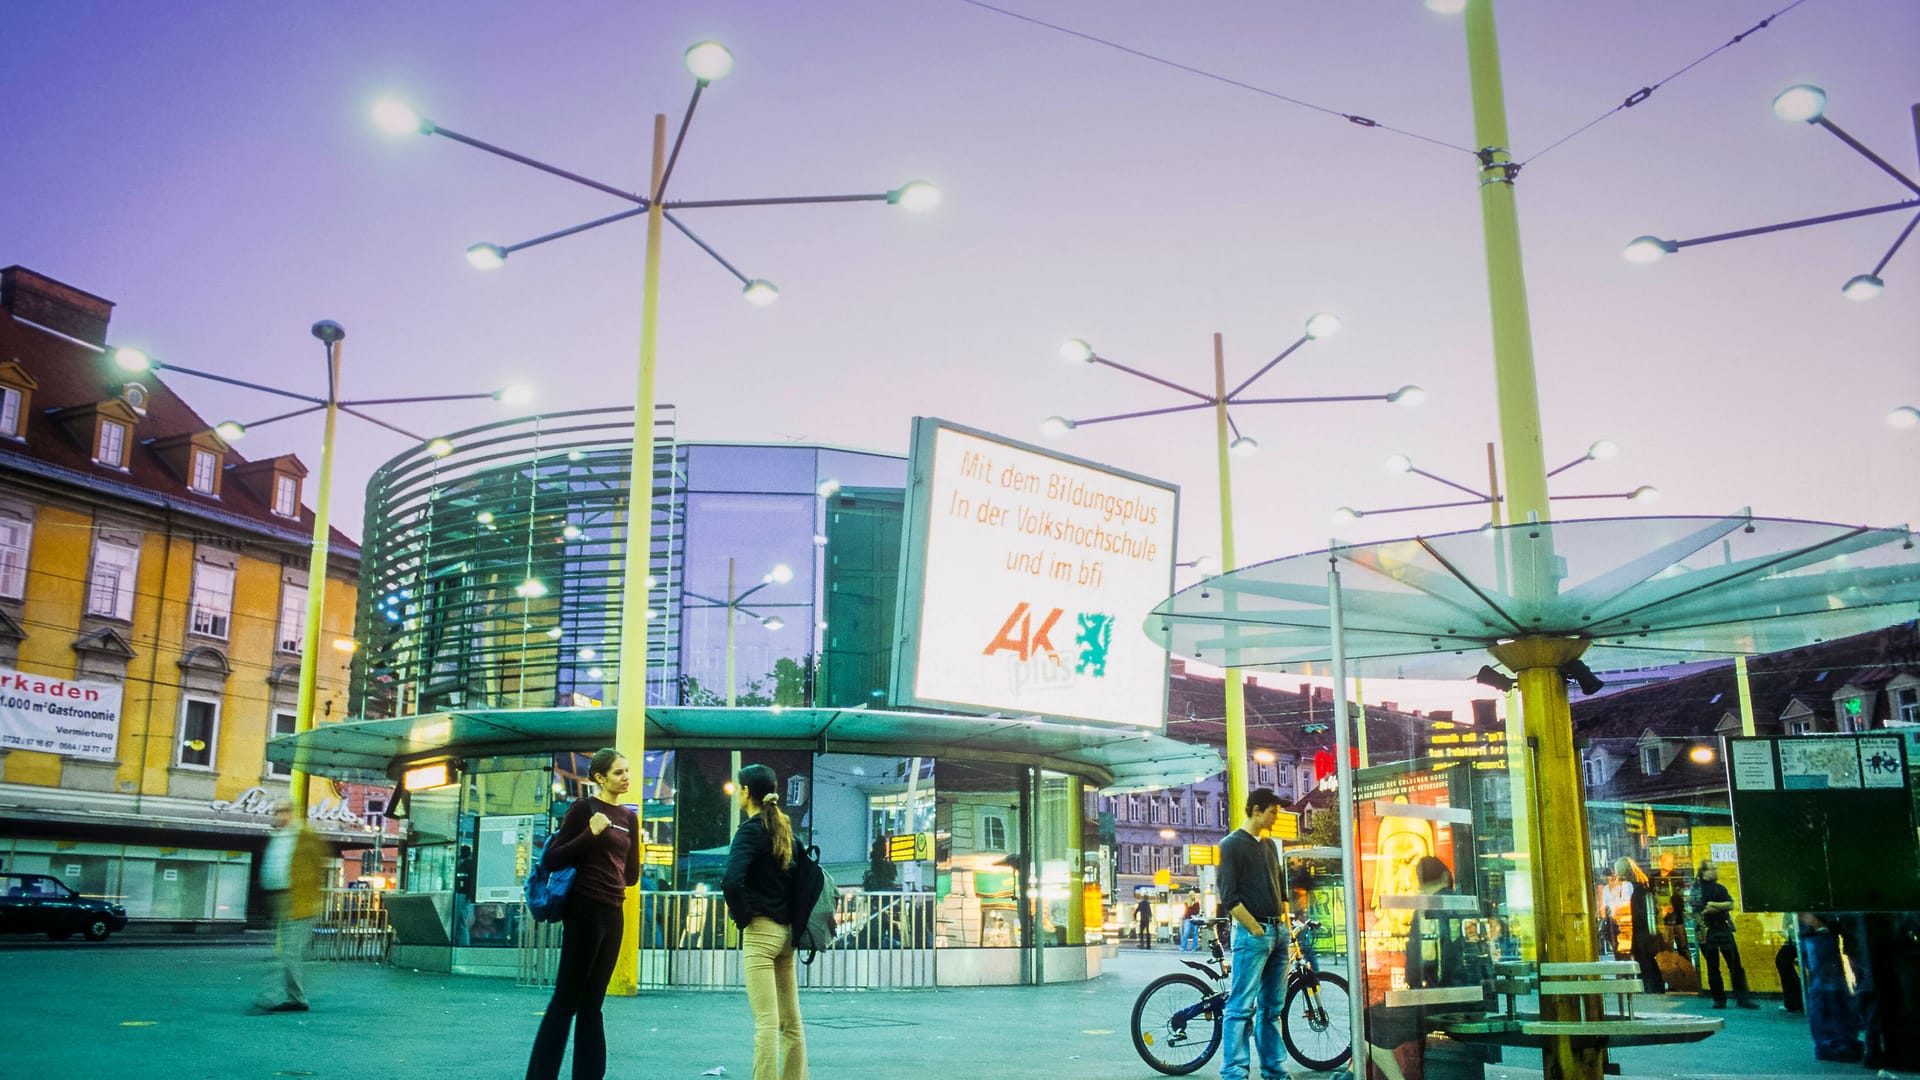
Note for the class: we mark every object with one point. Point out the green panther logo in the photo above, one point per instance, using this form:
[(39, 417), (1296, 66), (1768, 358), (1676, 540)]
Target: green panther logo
[(1094, 639)]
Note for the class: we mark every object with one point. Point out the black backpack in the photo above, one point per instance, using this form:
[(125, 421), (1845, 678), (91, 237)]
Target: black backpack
[(812, 902)]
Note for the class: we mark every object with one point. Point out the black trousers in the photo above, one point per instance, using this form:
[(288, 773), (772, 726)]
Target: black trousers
[(588, 948), (1712, 948)]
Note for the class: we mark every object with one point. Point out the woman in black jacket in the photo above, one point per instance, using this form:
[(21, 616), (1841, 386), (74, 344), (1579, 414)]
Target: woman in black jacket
[(759, 890), (596, 838)]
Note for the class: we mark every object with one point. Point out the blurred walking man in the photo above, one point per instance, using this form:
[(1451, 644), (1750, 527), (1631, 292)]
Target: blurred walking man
[(292, 873)]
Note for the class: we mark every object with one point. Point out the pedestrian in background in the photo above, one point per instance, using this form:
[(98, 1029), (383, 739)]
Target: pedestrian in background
[(597, 839), (759, 889), (1190, 927), (1832, 1020), (1644, 943), (1714, 905), (293, 875), (1143, 918), (1250, 892)]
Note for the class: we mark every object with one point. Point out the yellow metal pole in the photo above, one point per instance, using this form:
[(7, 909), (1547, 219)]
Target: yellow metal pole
[(1746, 690), (1562, 889), (1234, 690), (297, 781), (1519, 394), (1561, 877), (630, 711)]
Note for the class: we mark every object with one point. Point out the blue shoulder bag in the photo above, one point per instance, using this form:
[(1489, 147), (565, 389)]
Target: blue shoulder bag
[(547, 889)]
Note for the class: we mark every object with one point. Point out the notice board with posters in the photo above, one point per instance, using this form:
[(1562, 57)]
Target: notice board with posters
[(1824, 822), (1026, 581), (1403, 813)]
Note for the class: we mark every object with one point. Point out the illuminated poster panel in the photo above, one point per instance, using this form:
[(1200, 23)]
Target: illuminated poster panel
[(1026, 580)]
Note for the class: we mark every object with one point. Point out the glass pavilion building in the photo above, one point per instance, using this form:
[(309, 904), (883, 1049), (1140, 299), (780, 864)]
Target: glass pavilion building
[(488, 640)]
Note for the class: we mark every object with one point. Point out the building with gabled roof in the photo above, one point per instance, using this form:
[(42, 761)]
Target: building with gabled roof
[(153, 586)]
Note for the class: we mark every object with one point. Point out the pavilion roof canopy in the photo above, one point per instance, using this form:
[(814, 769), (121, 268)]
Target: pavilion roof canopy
[(1120, 759), (1643, 591)]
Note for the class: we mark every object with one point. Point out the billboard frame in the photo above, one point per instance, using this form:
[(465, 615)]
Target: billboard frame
[(916, 524)]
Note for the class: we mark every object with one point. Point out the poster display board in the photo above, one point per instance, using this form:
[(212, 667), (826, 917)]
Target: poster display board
[(53, 715), (1402, 816), (1026, 580), (1824, 823), (503, 856)]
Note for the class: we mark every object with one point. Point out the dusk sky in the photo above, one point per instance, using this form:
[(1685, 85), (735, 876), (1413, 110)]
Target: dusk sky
[(212, 168)]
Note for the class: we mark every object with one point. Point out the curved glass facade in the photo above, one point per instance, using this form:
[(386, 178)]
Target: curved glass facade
[(491, 570)]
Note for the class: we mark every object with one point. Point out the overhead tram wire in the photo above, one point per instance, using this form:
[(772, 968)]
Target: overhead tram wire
[(1645, 92), (1352, 118)]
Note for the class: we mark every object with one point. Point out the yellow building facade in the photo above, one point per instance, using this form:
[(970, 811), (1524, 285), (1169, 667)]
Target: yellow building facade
[(153, 591)]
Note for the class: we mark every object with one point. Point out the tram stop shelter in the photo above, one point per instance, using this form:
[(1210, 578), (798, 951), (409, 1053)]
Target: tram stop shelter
[(1550, 602)]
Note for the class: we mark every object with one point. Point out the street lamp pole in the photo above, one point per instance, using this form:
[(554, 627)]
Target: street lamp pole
[(331, 335), (1234, 688), (1228, 441), (630, 702)]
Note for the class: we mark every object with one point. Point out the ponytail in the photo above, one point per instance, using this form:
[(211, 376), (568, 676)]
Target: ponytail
[(779, 827)]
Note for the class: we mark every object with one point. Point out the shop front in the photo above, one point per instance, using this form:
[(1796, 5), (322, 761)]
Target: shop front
[(180, 861)]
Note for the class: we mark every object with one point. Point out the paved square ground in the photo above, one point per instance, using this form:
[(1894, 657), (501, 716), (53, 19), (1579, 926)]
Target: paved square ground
[(128, 1009)]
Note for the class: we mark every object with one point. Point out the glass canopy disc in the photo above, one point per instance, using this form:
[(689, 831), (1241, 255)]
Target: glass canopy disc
[(1643, 591)]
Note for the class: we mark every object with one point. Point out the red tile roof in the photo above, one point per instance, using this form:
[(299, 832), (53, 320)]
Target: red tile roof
[(71, 374)]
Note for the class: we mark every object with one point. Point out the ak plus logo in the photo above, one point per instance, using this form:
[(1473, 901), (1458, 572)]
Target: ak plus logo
[(1020, 635)]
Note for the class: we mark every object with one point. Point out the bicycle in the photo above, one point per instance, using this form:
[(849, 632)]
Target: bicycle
[(1178, 1018)]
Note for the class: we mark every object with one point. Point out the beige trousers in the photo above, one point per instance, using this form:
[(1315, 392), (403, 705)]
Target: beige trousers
[(779, 1042)]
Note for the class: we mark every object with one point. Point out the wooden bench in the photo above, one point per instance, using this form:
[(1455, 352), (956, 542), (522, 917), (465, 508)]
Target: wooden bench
[(1601, 979), (1617, 979)]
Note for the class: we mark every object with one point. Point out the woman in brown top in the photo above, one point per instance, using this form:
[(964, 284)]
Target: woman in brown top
[(597, 839)]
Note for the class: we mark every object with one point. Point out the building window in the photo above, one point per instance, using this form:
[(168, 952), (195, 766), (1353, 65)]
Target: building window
[(1136, 859), (286, 496), (205, 468), (212, 600), (1133, 808), (10, 412), (199, 728), (114, 567), (1596, 774), (293, 618), (283, 724), (1650, 760), (1156, 812), (1802, 727), (112, 448), (15, 538), (1906, 705), (993, 833)]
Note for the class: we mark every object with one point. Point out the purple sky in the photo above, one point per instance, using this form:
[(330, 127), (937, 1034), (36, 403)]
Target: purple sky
[(212, 168)]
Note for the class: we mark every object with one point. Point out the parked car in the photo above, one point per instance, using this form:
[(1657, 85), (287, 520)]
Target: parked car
[(39, 904)]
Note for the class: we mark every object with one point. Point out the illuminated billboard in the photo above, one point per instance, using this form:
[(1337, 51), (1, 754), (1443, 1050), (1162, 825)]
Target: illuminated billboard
[(1026, 580)]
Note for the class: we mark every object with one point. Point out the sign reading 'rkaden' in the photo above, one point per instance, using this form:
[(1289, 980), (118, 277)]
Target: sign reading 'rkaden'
[(59, 716), (1034, 574)]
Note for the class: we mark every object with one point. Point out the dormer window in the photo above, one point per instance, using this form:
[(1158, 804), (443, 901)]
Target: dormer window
[(16, 399), (1650, 760), (206, 466), (110, 446), (286, 496)]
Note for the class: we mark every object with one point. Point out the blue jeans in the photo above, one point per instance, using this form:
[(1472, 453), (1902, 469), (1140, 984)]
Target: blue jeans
[(1259, 971), (1190, 935), (1831, 1018)]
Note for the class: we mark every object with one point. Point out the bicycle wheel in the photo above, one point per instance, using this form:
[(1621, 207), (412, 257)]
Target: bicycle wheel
[(1172, 1043), (1316, 1023)]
